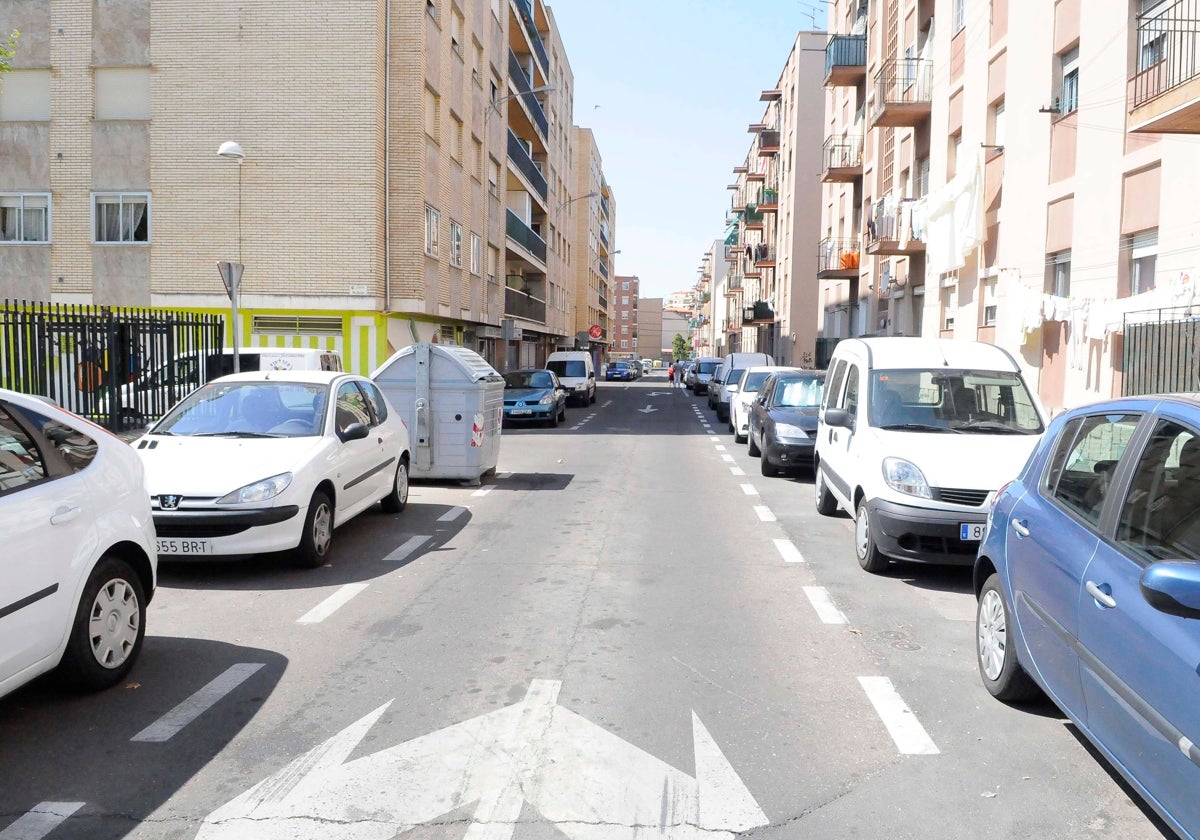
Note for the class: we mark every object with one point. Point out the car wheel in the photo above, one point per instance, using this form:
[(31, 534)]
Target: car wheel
[(752, 448), (826, 503), (109, 626), (317, 538), (397, 499), (553, 421), (592, 399), (869, 556), (1002, 674), (562, 412), (766, 468)]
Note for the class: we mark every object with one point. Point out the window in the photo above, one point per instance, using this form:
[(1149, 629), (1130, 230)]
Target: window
[(850, 398), (432, 220), (476, 254), (960, 15), (351, 407), (21, 464), (431, 113), (624, 344), (1060, 274), (493, 177), (624, 329), (989, 302), (1083, 462), (121, 217), (955, 156), (378, 403), (431, 7), (624, 300), (1152, 27), (455, 244), (456, 138), (25, 96), (625, 285), (1143, 254), (949, 307), (998, 124), (1069, 99), (122, 93), (922, 184), (1158, 518), (24, 217), (456, 31)]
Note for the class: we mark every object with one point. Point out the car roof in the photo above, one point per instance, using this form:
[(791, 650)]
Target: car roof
[(529, 370), (911, 352), (323, 377)]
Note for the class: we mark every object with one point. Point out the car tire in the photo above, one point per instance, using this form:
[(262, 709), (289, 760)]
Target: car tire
[(1002, 674), (397, 499), (108, 629), (562, 413), (591, 400), (767, 468), (317, 537), (826, 503), (869, 556), (752, 448)]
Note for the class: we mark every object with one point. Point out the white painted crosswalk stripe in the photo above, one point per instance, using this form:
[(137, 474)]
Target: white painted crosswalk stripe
[(410, 545), (728, 458), (827, 611), (737, 471), (720, 447), (452, 514), (169, 724), (764, 513), (40, 820), (788, 551), (749, 489), (910, 737), (483, 491), (331, 604)]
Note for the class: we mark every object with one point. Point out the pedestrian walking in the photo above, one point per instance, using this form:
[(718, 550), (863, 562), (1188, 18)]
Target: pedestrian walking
[(677, 375), (671, 375)]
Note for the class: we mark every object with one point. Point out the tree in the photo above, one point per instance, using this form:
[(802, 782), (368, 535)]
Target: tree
[(681, 347), (7, 51)]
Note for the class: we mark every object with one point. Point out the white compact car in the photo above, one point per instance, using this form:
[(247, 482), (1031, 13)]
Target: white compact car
[(746, 393), (77, 567), (273, 461)]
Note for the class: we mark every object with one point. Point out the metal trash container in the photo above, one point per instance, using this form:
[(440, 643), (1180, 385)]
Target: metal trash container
[(453, 402)]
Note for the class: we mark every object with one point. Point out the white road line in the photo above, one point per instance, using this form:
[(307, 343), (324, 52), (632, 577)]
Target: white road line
[(728, 458), (720, 446), (40, 820), (606, 405), (788, 551), (401, 553), (452, 514), (910, 737), (331, 604), (483, 491), (737, 471), (764, 513), (709, 432), (169, 724), (827, 611), (749, 489)]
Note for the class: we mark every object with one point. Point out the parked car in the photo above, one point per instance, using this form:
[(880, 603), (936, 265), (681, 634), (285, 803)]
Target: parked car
[(714, 386), (535, 395), (619, 371), (915, 436), (702, 374), (78, 543), (782, 428), (275, 461), (577, 373), (733, 365), (647, 365), (747, 391), (1088, 586)]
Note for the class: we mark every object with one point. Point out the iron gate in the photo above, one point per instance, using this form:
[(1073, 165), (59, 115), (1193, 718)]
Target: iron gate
[(119, 367), (1161, 351)]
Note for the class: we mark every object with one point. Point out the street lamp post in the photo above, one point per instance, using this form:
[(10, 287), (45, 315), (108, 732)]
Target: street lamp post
[(231, 273)]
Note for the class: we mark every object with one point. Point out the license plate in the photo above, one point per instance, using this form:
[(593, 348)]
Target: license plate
[(521, 411), (180, 546), (971, 531)]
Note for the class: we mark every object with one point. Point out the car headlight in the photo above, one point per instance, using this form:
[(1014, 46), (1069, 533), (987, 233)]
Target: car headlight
[(547, 400), (787, 430), (905, 477), (259, 491)]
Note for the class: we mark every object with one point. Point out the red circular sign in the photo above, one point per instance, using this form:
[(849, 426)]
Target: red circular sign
[(595, 331)]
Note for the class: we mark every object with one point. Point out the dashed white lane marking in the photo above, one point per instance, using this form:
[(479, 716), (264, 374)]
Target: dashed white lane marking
[(401, 553), (910, 737), (720, 446), (169, 724), (728, 458), (818, 596), (737, 471), (452, 514), (764, 513), (606, 405), (40, 820), (483, 491), (709, 432), (331, 604), (749, 489), (788, 551)]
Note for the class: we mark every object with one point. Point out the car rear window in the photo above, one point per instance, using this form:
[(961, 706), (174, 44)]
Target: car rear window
[(567, 367)]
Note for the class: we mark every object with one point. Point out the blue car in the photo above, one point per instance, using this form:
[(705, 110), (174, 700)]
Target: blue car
[(1088, 587), (619, 370), (534, 395)]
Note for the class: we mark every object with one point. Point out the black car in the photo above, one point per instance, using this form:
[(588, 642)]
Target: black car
[(783, 420)]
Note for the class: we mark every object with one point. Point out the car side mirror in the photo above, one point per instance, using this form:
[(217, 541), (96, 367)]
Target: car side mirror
[(731, 387), (1173, 587), (592, 374), (838, 417), (355, 431)]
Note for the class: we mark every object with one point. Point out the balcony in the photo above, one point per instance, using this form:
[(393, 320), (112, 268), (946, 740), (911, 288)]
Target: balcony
[(603, 268), (740, 170), (525, 9), (524, 86), (759, 314), (518, 304), (738, 203), (889, 231), (763, 256), (842, 159), (770, 95), (523, 235), (768, 143), (837, 258), (756, 177), (732, 253), (1165, 91), (845, 60), (768, 200), (733, 287), (752, 219), (603, 303), (903, 92), (518, 156), (604, 237), (604, 207)]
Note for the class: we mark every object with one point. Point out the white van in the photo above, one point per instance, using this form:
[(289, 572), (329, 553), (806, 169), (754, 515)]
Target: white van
[(732, 367), (914, 438), (577, 372)]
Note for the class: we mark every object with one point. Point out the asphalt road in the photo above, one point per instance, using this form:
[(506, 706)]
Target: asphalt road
[(627, 633)]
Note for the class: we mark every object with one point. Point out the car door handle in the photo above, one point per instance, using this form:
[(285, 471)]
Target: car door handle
[(1102, 597), (1019, 527), (64, 514)]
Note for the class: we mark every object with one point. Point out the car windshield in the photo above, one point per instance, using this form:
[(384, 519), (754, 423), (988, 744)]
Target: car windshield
[(568, 367), (799, 393), (940, 400), (528, 379), (754, 380), (249, 409), (735, 375), (707, 367), (621, 365)]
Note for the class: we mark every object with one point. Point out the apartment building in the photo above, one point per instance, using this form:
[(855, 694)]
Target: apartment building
[(1016, 183), (594, 249), (418, 188), (624, 304), (706, 331)]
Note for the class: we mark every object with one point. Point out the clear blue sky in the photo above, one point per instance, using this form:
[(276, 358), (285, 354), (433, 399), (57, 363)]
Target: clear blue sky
[(676, 82)]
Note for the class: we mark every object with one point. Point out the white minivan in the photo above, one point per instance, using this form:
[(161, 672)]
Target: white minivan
[(732, 367), (577, 373), (914, 438)]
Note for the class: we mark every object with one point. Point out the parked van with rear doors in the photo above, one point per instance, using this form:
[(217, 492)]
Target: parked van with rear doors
[(577, 373), (733, 365)]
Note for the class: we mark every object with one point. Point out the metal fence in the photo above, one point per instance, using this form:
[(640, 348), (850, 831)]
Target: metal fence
[(119, 367), (1161, 351), (1168, 49)]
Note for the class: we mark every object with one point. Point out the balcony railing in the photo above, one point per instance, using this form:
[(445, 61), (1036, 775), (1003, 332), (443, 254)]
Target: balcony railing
[(524, 86), (837, 258), (842, 158), (603, 302), (890, 230), (752, 217), (539, 49), (523, 235), (604, 206), (760, 255), (520, 305), (604, 237), (903, 92), (603, 268), (768, 199), (845, 59), (768, 142), (519, 155), (1169, 50)]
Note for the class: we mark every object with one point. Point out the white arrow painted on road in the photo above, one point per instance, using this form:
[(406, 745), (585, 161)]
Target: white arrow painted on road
[(647, 409), (584, 780), (659, 394)]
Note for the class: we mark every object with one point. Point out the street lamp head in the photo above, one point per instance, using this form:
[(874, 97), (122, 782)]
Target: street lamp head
[(232, 150)]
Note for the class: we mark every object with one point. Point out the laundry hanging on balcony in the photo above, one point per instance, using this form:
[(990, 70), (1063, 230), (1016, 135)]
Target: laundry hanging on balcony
[(953, 218)]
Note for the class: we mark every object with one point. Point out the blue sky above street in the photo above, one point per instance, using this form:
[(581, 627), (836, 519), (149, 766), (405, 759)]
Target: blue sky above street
[(668, 88)]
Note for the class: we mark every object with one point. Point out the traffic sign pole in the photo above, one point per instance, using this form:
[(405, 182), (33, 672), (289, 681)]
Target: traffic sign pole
[(231, 276)]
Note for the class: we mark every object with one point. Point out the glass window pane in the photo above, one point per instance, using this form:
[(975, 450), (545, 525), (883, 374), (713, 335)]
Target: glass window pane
[(1158, 519), (21, 464), (1086, 471)]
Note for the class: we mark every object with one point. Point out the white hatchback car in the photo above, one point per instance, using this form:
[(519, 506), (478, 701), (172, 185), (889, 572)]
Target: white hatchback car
[(78, 567), (273, 461), (746, 393)]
